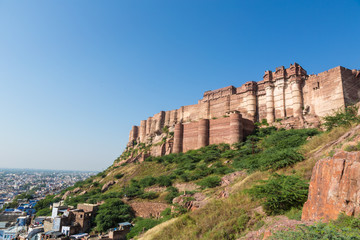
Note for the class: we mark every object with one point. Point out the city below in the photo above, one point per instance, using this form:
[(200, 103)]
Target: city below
[(21, 189)]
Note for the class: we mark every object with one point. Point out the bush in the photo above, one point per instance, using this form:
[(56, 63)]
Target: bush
[(147, 181), (280, 193), (119, 175), (101, 174), (288, 138), (108, 195), (294, 213), (133, 190), (173, 192), (210, 182), (44, 212), (111, 213), (242, 221), (352, 148), (318, 231), (142, 224), (277, 149), (149, 195), (44, 203), (344, 220), (164, 181), (342, 117)]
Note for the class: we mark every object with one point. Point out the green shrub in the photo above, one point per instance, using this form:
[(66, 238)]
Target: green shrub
[(271, 149), (294, 213), (142, 224), (119, 175), (352, 148), (111, 213), (342, 117), (331, 153), (101, 174), (241, 221), (288, 138), (147, 181), (173, 192), (344, 220), (320, 231), (149, 195), (166, 212), (108, 195), (44, 212), (44, 203), (164, 181), (210, 182), (165, 129), (264, 122), (133, 190), (280, 193)]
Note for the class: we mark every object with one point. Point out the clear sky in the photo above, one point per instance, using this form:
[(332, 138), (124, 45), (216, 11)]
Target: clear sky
[(76, 75)]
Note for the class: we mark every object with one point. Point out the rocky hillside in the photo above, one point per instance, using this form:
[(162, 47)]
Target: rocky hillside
[(250, 190)]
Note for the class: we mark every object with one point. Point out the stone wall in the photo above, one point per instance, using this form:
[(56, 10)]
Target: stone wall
[(283, 94), (199, 134), (323, 93)]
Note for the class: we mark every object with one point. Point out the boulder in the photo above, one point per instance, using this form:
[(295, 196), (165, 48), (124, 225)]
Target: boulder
[(191, 201), (334, 188), (76, 190), (229, 178), (66, 195), (107, 185)]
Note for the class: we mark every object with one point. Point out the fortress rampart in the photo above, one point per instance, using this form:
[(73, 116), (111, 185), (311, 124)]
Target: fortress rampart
[(228, 114)]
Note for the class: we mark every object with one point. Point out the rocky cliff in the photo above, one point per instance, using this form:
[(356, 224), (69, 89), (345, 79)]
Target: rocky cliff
[(334, 188)]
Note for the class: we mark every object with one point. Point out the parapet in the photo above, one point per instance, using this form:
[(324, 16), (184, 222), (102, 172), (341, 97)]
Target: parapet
[(218, 93)]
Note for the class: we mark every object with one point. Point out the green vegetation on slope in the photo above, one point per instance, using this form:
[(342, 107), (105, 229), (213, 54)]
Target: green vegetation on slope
[(280, 193), (277, 162), (342, 118), (110, 213), (344, 228)]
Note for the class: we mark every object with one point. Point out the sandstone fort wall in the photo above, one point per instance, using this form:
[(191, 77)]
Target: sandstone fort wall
[(283, 94)]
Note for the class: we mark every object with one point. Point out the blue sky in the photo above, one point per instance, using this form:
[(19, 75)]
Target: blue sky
[(76, 75)]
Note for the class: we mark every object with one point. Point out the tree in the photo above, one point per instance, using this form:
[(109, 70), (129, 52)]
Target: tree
[(112, 212)]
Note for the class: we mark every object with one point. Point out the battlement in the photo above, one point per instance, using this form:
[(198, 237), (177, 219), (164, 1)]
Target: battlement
[(218, 93)]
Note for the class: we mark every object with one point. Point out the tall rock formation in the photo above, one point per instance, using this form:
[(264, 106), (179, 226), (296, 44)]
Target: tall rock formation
[(334, 188)]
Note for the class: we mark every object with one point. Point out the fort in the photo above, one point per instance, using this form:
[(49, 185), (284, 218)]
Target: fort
[(288, 96)]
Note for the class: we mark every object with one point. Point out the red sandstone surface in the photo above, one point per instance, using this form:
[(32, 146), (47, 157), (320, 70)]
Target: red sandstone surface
[(148, 209), (334, 188)]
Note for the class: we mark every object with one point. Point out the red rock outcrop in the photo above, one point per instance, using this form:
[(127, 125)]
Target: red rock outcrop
[(107, 185), (148, 209), (334, 188), (191, 201), (272, 225)]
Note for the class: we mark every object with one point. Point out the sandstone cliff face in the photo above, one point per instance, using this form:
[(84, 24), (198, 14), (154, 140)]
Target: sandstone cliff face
[(334, 188)]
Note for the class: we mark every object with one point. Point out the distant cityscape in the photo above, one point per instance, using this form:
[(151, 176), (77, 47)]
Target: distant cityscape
[(21, 189), (38, 183)]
